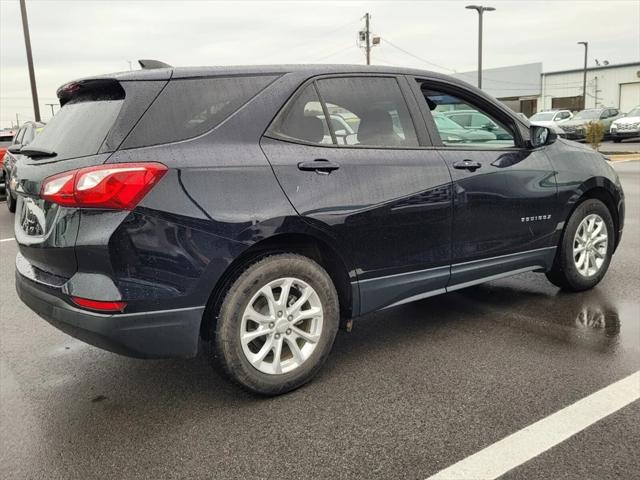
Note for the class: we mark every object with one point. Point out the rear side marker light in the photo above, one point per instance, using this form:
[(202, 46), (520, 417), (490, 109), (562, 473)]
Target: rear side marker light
[(99, 305), (118, 186)]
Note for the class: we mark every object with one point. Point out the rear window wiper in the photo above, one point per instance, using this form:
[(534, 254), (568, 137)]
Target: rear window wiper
[(37, 152)]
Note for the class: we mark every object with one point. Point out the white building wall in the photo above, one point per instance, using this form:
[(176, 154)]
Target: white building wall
[(607, 80)]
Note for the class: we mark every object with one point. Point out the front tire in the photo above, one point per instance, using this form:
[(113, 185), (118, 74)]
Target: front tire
[(586, 248), (277, 324)]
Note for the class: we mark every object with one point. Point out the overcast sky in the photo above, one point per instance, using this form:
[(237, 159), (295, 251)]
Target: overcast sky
[(73, 39)]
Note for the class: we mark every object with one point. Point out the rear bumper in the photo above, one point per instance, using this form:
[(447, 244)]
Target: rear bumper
[(157, 334)]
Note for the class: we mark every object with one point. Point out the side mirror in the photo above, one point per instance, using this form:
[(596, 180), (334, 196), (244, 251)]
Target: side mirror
[(15, 148), (541, 136)]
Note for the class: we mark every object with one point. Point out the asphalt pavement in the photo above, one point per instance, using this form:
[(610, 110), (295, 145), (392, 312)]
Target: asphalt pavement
[(626, 146), (409, 392)]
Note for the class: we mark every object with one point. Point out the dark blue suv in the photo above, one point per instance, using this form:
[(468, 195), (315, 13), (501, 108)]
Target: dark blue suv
[(258, 208)]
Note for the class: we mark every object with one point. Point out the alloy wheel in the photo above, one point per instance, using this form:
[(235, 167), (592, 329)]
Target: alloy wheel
[(590, 245), (281, 326)]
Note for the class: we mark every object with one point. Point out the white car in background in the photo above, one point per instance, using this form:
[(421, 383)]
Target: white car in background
[(627, 126), (550, 118), (556, 129)]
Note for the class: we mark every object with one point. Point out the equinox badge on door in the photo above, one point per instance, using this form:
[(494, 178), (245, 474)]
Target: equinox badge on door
[(535, 218)]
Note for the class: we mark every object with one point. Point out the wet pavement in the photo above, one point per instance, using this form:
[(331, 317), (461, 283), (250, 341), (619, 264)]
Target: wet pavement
[(409, 392), (631, 145)]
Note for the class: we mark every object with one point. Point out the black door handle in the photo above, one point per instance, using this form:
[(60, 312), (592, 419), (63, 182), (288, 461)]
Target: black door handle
[(320, 165), (467, 165)]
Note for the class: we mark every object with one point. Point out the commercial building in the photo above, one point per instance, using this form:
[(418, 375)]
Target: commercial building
[(525, 88)]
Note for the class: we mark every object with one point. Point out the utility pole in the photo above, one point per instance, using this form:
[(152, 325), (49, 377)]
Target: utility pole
[(17, 122), (32, 76), (595, 92), (480, 9), (367, 34), (51, 105), (584, 75)]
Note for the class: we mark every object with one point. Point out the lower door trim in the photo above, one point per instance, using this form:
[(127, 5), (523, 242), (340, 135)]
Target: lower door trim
[(397, 289)]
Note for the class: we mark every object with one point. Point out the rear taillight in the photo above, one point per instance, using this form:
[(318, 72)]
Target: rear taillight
[(99, 305), (118, 186)]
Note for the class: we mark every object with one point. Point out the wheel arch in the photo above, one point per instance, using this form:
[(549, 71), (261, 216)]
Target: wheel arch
[(600, 190), (305, 243)]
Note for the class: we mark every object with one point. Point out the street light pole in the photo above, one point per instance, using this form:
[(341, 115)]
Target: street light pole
[(480, 9), (32, 76), (584, 75)]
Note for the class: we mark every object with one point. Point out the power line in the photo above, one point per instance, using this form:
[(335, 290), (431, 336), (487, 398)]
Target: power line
[(406, 52), (530, 84), (316, 38), (343, 49)]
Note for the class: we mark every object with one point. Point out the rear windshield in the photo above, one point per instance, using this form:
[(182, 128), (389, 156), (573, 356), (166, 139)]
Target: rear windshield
[(187, 108), (78, 128)]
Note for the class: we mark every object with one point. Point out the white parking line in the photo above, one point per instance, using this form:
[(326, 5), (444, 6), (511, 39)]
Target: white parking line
[(6, 239), (531, 441)]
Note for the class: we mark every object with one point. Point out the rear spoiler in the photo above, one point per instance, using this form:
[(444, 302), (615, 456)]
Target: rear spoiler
[(91, 89), (150, 64)]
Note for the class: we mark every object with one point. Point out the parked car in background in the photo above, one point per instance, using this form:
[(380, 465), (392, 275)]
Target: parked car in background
[(627, 126), (345, 133), (163, 207), (454, 133), (576, 128), (25, 135), (473, 120), (6, 137), (555, 128), (550, 118)]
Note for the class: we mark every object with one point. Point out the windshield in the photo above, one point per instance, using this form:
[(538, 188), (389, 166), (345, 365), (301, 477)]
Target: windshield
[(634, 113), (78, 129), (587, 115), (541, 117), (444, 123)]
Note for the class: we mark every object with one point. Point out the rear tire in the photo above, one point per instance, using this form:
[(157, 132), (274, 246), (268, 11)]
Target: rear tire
[(617, 140), (270, 344), (585, 251)]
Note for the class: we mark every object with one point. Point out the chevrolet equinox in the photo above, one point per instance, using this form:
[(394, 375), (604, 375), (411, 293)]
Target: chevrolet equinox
[(258, 208)]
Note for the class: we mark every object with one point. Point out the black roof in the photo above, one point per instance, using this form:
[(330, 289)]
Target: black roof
[(303, 70), (311, 70)]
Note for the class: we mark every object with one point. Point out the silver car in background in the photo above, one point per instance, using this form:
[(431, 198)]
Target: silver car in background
[(627, 126)]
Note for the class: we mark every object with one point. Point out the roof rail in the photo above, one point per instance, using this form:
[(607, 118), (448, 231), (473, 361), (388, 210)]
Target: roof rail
[(150, 64)]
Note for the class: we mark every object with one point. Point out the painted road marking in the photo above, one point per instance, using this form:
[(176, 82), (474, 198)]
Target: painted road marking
[(531, 441), (6, 239)]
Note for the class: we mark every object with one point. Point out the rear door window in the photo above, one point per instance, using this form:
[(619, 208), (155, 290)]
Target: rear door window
[(187, 108), (372, 111)]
